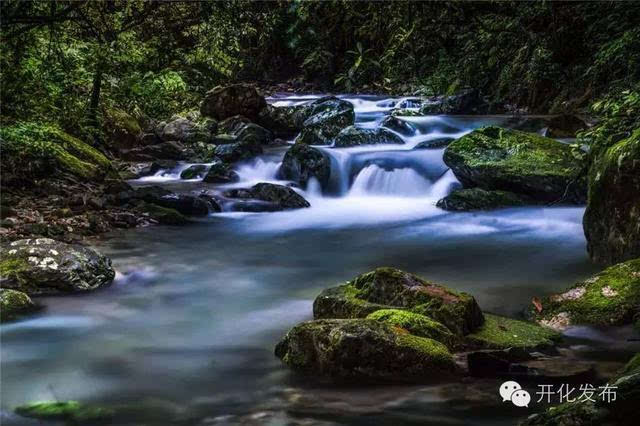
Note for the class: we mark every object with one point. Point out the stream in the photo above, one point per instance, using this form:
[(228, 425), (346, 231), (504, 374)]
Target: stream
[(187, 330)]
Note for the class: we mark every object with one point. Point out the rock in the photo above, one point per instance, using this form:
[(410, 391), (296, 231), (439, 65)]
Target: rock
[(284, 122), (72, 412), (302, 162), (565, 126), (479, 199), (194, 172), (237, 99), (467, 101), (237, 151), (404, 112), (220, 172), (434, 143), (186, 131), (189, 205), (361, 349), (123, 130), (241, 128), (497, 363), (398, 125), (543, 169), (149, 139), (612, 218), (172, 150), (279, 196), (389, 288), (44, 266), (611, 297), (501, 333), (416, 324), (162, 215), (329, 116), (354, 136), (14, 304)]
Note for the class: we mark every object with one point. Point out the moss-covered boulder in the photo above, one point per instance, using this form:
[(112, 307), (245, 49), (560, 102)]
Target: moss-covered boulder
[(36, 150), (354, 136), (220, 172), (45, 266), (72, 412), (278, 197), (362, 349), (162, 215), (302, 162), (238, 151), (416, 324), (195, 171), (611, 297), (543, 169), (612, 219), (500, 333), (389, 288), (466, 101), (328, 117), (479, 199), (14, 304), (237, 99), (187, 131), (122, 129)]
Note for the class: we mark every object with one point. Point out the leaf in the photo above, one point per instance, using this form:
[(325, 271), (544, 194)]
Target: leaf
[(537, 304)]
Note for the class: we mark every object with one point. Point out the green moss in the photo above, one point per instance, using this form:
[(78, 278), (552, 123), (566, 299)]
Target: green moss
[(416, 324), (163, 215), (434, 351), (124, 121), (611, 297), (13, 304), (11, 267), (70, 411), (501, 333), (632, 367), (479, 199)]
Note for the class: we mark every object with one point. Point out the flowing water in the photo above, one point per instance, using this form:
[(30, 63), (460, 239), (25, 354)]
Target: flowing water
[(186, 332)]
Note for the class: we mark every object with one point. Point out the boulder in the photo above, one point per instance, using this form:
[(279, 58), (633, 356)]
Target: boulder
[(467, 101), (238, 99), (361, 349), (611, 297), (612, 218), (241, 128), (328, 117), (302, 162), (220, 172), (416, 324), (501, 333), (14, 304), (398, 125), (194, 172), (354, 136), (122, 130), (171, 150), (187, 131), (44, 266), (189, 205), (284, 122), (237, 151), (434, 143), (71, 412), (479, 199), (162, 215), (543, 169), (241, 140), (278, 197), (389, 288)]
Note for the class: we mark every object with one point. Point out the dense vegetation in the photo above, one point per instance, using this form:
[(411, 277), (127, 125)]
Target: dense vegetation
[(68, 61)]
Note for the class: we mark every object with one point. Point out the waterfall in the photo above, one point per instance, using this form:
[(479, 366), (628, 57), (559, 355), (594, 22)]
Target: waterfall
[(399, 182), (258, 170)]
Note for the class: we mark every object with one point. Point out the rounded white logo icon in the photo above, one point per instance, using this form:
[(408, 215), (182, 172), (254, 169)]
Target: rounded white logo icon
[(512, 391)]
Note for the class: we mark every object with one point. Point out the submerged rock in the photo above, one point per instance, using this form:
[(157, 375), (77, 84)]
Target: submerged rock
[(612, 218), (194, 172), (44, 266), (73, 412), (302, 162), (611, 297), (237, 99), (14, 304), (479, 199), (328, 117), (278, 197), (354, 136), (500, 333), (389, 288), (434, 143), (543, 169), (220, 172), (362, 349)]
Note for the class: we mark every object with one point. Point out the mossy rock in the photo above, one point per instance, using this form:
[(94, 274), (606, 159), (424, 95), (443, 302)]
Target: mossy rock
[(194, 172), (163, 215), (14, 304), (416, 324), (302, 163), (501, 333), (569, 414), (122, 129), (405, 112), (479, 199), (611, 297), (73, 412), (329, 116), (355, 136), (389, 288), (632, 367), (612, 218), (544, 169), (363, 350)]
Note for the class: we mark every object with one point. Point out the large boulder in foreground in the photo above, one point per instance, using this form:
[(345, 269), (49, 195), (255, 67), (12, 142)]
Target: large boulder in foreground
[(237, 99), (478, 199), (302, 162), (44, 266), (328, 117), (275, 197), (354, 136), (612, 219), (389, 288), (14, 304), (611, 297), (543, 169), (361, 349)]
